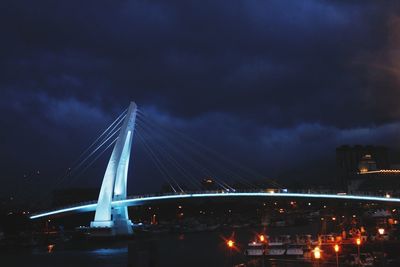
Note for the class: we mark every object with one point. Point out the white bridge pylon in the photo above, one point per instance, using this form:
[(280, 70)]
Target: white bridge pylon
[(113, 187)]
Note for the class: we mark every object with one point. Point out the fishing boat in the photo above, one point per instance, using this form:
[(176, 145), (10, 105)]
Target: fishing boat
[(275, 249), (255, 249)]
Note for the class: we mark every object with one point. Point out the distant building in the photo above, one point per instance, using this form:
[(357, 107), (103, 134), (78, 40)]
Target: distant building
[(348, 159), (366, 168), (378, 181), (366, 164)]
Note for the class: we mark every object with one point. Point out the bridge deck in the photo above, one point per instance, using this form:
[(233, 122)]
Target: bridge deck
[(139, 200)]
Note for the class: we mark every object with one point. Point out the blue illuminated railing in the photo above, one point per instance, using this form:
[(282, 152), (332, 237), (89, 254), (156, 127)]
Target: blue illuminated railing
[(137, 200)]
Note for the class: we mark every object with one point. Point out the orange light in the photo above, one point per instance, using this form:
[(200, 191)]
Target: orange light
[(230, 243), (50, 248), (358, 241), (262, 238), (317, 253), (336, 247)]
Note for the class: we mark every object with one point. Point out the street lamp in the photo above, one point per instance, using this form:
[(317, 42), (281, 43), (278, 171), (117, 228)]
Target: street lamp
[(381, 231), (317, 254), (337, 248), (264, 247), (358, 242), (230, 244)]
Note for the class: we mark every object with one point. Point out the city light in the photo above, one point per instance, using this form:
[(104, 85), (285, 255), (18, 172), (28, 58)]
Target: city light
[(50, 248), (336, 248), (230, 244), (262, 238), (317, 253), (358, 242), (381, 231)]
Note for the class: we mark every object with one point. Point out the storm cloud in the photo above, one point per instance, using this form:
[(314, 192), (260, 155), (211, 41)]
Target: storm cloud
[(276, 85)]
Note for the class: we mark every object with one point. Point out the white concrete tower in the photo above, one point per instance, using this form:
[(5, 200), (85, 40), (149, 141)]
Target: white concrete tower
[(115, 181)]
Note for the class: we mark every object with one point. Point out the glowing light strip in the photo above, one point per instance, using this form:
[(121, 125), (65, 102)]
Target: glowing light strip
[(83, 208), (380, 171), (140, 200)]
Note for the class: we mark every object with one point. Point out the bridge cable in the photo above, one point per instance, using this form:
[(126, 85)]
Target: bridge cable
[(158, 163), (218, 166), (155, 162), (214, 152), (182, 170), (95, 150), (207, 158), (55, 183), (95, 159), (176, 163), (116, 122), (186, 157)]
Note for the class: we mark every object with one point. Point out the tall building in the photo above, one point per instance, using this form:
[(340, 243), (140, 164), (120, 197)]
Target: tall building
[(351, 160)]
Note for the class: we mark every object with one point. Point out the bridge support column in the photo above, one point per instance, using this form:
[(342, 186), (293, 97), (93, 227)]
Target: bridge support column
[(114, 182)]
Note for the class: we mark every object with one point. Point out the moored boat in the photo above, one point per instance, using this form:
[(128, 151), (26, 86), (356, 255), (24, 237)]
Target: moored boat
[(255, 249), (294, 250), (275, 249)]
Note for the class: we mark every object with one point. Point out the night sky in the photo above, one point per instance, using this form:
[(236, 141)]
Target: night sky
[(276, 85)]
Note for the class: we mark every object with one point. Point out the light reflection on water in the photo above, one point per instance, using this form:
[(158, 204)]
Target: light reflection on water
[(108, 251), (175, 250), (50, 248)]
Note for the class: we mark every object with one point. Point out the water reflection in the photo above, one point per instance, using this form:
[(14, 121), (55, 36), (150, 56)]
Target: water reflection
[(108, 251), (50, 248)]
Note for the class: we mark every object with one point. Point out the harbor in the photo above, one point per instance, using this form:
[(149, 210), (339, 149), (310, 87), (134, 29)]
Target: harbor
[(301, 235)]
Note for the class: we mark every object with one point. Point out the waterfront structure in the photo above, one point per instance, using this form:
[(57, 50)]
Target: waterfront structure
[(114, 183), (384, 182), (348, 159), (369, 178)]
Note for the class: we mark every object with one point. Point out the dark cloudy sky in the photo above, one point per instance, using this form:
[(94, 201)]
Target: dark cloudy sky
[(275, 84)]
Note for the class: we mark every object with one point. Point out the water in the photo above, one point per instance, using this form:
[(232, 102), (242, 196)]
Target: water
[(194, 249), (112, 257)]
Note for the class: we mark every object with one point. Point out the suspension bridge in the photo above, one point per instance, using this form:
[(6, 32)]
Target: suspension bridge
[(111, 207)]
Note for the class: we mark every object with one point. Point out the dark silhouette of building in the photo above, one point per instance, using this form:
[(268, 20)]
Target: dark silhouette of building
[(348, 159)]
